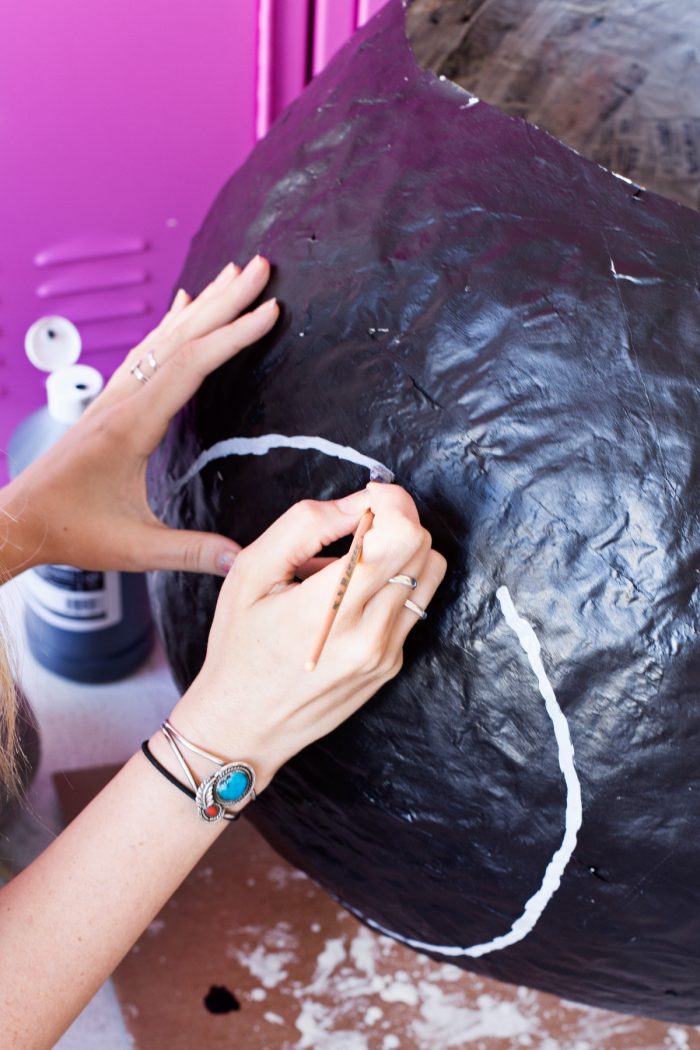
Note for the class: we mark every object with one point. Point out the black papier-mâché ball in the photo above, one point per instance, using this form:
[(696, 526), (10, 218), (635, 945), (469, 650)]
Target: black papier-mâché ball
[(513, 332)]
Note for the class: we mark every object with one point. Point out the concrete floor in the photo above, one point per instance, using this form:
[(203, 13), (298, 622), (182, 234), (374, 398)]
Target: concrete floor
[(79, 726)]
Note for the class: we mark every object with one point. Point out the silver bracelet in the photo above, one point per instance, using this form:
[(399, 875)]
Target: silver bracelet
[(231, 784)]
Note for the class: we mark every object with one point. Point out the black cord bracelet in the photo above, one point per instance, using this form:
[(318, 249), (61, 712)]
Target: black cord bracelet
[(166, 772)]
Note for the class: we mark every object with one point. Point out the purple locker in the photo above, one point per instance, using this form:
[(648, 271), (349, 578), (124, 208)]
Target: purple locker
[(334, 22), (366, 9), (118, 123), (283, 57)]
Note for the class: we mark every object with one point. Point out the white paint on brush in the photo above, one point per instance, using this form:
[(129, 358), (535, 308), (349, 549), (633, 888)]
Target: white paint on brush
[(260, 446), (573, 813)]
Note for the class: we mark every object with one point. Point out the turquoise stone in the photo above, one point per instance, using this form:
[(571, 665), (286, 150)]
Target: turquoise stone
[(233, 787)]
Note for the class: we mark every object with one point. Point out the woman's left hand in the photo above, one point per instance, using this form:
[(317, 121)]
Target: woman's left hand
[(84, 502)]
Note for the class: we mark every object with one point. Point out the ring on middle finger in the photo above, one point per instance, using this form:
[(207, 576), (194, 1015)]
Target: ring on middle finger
[(406, 581)]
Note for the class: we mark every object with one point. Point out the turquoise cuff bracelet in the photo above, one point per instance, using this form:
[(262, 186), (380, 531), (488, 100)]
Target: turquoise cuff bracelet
[(230, 785)]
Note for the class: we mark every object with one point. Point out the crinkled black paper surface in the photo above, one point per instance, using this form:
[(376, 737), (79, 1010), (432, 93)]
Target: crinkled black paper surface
[(514, 331)]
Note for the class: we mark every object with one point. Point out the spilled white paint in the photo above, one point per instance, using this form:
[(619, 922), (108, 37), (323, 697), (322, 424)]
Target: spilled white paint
[(572, 818), (331, 957), (269, 967), (273, 1018), (356, 998), (677, 1038), (447, 1021), (260, 446)]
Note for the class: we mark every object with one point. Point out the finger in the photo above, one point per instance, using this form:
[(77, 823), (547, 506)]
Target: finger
[(175, 383), (230, 295), (396, 536), (223, 299), (164, 336), (292, 540), (181, 300), (158, 336), (429, 580), (184, 551), (226, 274), (314, 565), (384, 607)]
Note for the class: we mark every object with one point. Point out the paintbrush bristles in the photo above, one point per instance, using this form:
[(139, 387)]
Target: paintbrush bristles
[(353, 557)]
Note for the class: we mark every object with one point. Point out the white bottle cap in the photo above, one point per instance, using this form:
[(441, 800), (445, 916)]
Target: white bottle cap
[(52, 343), (70, 391)]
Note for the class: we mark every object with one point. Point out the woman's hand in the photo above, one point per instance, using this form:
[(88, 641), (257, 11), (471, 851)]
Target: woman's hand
[(253, 699), (84, 502)]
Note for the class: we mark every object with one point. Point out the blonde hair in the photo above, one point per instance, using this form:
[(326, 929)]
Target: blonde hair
[(10, 753)]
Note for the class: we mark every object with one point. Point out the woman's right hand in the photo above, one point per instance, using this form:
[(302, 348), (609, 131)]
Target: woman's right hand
[(253, 699)]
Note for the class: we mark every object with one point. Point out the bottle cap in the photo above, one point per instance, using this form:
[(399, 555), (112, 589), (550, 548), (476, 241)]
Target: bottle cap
[(71, 390), (52, 343)]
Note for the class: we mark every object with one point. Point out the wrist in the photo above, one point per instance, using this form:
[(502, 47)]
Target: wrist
[(190, 718)]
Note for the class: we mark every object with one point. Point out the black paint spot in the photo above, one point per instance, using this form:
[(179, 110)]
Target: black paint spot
[(219, 1000)]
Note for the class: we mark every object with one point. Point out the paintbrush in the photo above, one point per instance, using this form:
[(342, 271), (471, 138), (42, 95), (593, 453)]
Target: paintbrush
[(353, 557)]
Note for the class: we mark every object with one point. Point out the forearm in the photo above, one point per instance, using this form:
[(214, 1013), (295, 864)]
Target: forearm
[(71, 916)]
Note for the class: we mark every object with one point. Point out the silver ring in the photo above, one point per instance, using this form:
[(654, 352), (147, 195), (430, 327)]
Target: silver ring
[(407, 581), (151, 358), (138, 374), (421, 613)]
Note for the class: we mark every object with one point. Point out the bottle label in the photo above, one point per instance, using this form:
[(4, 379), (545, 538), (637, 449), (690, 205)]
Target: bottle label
[(73, 599)]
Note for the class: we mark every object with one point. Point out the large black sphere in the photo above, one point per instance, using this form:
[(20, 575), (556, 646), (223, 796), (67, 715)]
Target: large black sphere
[(514, 332)]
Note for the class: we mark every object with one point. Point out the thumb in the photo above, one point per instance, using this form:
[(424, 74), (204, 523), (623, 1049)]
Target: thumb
[(295, 538), (186, 551)]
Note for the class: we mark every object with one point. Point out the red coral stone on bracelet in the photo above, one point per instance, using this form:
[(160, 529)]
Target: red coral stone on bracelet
[(212, 811)]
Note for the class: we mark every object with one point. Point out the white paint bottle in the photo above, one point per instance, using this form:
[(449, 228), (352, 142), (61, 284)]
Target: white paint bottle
[(84, 625)]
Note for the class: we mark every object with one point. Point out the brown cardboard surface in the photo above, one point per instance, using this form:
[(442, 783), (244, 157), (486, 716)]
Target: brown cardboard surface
[(616, 80), (297, 972)]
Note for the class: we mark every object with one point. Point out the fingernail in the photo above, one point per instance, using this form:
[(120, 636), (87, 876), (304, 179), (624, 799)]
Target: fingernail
[(355, 503), (225, 275), (225, 561), (269, 304)]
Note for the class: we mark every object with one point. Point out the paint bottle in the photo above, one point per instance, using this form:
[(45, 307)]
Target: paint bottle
[(85, 625)]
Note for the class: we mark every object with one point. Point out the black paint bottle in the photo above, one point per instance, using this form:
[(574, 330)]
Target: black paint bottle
[(84, 625)]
